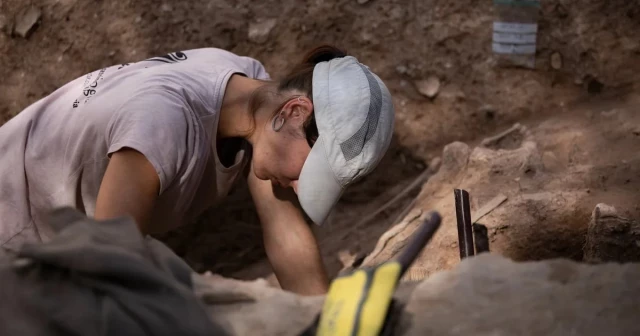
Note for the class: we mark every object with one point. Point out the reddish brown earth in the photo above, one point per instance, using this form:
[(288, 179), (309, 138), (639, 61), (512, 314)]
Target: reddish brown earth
[(402, 41)]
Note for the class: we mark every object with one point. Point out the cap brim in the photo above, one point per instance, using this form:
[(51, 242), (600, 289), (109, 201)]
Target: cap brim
[(318, 189)]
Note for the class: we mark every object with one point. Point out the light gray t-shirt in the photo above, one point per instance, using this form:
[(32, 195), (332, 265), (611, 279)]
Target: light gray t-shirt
[(55, 152)]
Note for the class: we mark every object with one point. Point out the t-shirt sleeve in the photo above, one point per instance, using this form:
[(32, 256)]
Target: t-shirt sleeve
[(154, 124), (258, 71)]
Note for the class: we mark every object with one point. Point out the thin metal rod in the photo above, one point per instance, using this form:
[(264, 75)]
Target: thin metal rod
[(419, 240), (463, 216)]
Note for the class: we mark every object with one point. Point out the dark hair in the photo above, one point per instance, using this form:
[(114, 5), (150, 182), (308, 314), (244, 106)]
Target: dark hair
[(301, 78)]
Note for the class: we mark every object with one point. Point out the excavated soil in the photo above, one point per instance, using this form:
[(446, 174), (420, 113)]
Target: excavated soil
[(402, 41), (553, 173)]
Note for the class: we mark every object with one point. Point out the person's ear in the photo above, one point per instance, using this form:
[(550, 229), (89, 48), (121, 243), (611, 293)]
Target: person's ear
[(298, 108)]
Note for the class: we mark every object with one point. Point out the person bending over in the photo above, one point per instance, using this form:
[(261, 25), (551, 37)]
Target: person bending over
[(163, 139)]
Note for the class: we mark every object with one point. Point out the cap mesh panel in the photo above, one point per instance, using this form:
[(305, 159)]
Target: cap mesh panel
[(353, 146)]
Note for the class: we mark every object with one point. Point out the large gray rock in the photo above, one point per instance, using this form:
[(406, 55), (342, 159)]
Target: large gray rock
[(491, 295), (484, 295)]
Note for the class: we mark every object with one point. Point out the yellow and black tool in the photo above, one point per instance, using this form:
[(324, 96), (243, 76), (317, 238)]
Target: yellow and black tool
[(359, 302)]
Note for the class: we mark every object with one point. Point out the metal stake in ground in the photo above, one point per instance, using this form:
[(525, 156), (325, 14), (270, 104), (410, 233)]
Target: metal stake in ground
[(463, 215)]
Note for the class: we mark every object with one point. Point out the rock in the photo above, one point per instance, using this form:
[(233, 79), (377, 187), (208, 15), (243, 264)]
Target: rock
[(4, 23), (166, 7), (554, 297), (362, 2), (259, 31), (454, 157), (550, 162), (609, 113), (428, 87), (138, 19), (366, 36), (483, 295), (556, 60), (27, 22), (253, 307), (401, 69), (611, 237)]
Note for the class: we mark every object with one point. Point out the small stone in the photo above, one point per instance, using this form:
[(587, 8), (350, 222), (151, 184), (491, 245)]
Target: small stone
[(3, 22), (401, 69), (362, 2), (556, 60), (22, 262), (112, 53), (166, 7), (434, 164), (26, 23), (259, 31), (578, 81), (366, 36), (429, 87), (609, 113), (138, 19)]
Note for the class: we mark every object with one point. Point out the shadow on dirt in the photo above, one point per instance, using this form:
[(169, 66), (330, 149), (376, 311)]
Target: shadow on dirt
[(228, 237)]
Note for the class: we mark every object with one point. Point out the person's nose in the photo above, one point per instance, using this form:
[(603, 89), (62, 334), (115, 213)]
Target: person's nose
[(294, 185)]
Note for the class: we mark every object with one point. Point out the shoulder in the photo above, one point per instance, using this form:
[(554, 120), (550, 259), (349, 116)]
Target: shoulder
[(250, 66)]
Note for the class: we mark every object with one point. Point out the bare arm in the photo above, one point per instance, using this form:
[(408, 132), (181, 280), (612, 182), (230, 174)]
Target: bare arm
[(129, 188), (289, 242)]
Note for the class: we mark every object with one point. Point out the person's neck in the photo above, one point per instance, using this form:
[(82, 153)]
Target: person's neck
[(236, 119)]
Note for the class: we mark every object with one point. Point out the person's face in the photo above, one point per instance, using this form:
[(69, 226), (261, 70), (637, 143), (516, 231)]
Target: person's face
[(280, 153)]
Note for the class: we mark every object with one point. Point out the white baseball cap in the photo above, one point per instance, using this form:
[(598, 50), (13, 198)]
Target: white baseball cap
[(355, 118)]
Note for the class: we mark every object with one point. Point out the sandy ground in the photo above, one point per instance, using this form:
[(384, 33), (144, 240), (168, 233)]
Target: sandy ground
[(402, 41)]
